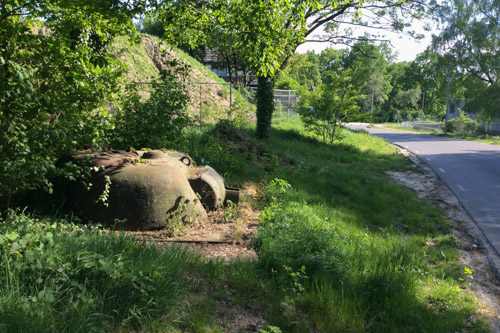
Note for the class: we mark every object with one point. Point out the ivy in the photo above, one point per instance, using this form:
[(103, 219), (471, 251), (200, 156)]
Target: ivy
[(265, 106)]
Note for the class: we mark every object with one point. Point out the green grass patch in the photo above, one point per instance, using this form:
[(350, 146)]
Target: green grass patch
[(484, 138), (341, 247)]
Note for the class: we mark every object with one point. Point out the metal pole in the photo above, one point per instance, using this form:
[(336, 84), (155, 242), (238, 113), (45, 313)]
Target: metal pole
[(230, 101), (373, 93), (423, 103), (447, 101), (447, 96), (200, 106), (288, 106)]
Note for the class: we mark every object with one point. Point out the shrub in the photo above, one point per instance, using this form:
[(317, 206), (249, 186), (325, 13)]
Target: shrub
[(322, 109), (463, 124), (156, 122), (294, 238)]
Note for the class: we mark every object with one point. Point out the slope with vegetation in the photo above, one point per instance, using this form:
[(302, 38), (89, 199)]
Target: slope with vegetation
[(340, 248), (145, 59)]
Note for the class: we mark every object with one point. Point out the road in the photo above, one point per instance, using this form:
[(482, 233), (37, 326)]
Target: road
[(470, 169)]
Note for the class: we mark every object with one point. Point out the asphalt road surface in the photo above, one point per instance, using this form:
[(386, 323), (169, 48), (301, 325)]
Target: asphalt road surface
[(470, 169)]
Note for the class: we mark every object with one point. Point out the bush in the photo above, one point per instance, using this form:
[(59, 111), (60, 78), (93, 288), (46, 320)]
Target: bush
[(52, 92), (158, 121), (294, 238), (463, 124), (321, 109)]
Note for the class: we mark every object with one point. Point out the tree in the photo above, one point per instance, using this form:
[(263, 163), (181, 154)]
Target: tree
[(304, 68), (56, 77), (470, 41), (270, 31), (156, 121), (322, 109), (370, 64), (408, 99)]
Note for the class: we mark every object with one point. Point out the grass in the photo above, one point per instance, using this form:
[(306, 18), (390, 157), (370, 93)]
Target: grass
[(485, 138), (141, 68), (341, 249)]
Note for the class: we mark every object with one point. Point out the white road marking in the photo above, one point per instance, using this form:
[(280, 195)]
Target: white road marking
[(428, 159), (461, 188), (491, 219), (442, 170)]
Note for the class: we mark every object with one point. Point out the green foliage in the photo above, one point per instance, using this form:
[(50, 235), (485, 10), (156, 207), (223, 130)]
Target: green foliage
[(407, 99), (159, 120), (57, 276), (207, 149), (56, 77), (271, 329), (286, 82), (303, 69), (368, 63), (463, 124), (343, 249), (341, 239), (321, 109), (469, 43), (486, 103), (153, 27)]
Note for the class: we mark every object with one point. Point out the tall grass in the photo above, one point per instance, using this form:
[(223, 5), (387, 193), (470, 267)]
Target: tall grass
[(341, 248), (59, 277), (352, 248)]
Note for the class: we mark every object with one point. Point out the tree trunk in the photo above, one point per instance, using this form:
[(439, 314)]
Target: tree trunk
[(265, 106)]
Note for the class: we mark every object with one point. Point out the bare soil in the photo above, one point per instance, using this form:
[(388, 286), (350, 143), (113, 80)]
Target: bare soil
[(226, 234), (477, 253)]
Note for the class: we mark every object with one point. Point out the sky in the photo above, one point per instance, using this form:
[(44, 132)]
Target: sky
[(406, 47)]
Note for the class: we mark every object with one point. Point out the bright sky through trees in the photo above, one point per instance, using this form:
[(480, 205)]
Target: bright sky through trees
[(406, 47)]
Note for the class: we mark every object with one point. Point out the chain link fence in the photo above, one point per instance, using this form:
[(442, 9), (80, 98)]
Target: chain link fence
[(208, 101), (212, 101), (285, 102)]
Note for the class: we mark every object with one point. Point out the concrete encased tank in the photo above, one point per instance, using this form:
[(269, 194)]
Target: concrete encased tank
[(147, 189)]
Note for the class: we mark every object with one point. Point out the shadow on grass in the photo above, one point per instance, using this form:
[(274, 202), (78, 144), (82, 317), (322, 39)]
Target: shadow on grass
[(351, 181)]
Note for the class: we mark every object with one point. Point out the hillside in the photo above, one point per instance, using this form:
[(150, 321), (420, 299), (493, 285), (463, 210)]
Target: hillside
[(144, 61)]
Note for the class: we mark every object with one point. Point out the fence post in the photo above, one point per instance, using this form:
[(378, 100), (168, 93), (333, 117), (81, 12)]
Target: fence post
[(288, 106), (230, 101), (200, 106)]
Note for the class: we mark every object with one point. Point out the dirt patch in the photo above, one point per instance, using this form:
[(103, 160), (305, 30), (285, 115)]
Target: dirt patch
[(477, 253), (239, 319), (254, 153), (226, 234)]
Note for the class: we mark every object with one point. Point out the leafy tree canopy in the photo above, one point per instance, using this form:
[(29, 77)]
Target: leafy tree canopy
[(55, 78), (304, 69), (470, 43)]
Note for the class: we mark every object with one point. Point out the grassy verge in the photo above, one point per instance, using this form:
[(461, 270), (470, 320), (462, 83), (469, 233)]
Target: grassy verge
[(397, 127), (341, 248), (485, 138)]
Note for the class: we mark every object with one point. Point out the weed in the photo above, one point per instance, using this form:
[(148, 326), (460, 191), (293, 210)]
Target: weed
[(230, 211), (271, 329)]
